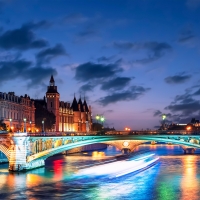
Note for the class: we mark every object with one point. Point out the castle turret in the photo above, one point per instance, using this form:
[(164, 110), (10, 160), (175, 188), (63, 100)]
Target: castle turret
[(88, 113), (77, 115), (83, 116)]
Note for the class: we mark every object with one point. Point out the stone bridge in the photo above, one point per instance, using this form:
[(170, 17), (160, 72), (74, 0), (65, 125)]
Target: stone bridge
[(26, 152)]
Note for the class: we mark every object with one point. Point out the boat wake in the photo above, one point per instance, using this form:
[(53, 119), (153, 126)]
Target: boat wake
[(120, 168)]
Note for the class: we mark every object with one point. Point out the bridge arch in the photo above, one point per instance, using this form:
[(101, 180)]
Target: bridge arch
[(56, 150), (126, 145), (5, 151)]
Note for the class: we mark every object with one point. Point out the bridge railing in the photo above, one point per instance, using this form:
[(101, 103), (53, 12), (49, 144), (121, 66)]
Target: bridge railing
[(156, 132), (48, 134)]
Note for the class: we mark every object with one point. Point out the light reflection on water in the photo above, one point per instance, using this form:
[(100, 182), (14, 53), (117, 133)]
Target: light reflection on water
[(176, 176)]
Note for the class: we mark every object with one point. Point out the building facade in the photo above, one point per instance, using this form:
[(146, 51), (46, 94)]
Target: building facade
[(18, 113), (75, 117)]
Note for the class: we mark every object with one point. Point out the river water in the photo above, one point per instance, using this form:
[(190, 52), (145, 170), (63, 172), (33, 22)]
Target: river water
[(175, 176)]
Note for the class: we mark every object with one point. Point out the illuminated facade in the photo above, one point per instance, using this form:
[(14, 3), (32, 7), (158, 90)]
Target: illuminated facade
[(75, 117), (17, 112)]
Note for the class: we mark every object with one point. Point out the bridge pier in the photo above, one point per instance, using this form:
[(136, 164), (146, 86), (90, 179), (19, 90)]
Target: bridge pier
[(18, 152), (189, 150), (126, 151)]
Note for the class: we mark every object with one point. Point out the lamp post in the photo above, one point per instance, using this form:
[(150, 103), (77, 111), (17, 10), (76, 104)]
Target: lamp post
[(10, 124), (97, 121), (24, 125), (163, 118), (102, 120), (97, 117), (30, 126), (42, 125)]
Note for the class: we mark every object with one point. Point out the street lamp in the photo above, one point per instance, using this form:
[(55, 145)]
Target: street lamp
[(42, 125), (97, 117), (10, 124), (102, 119), (163, 118), (24, 125)]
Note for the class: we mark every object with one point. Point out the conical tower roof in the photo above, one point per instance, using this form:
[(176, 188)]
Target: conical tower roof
[(81, 104), (52, 79), (86, 107), (74, 105)]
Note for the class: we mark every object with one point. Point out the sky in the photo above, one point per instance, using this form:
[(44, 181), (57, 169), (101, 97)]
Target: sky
[(132, 60)]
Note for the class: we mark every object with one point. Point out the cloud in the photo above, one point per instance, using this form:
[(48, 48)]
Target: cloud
[(48, 54), (124, 45), (182, 98), (87, 87), (23, 38), (106, 59), (92, 71), (25, 70), (188, 38), (184, 105), (117, 83), (36, 25), (177, 79), (37, 74), (157, 113), (12, 69), (90, 29), (87, 33), (128, 95), (154, 50), (197, 92), (185, 108), (185, 39)]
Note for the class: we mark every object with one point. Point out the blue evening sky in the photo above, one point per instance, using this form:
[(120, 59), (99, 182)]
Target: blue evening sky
[(133, 60)]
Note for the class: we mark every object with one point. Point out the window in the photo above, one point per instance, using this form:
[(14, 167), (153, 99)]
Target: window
[(51, 104)]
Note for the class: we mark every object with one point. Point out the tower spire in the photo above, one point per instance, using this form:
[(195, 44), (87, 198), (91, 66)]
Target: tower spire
[(52, 82)]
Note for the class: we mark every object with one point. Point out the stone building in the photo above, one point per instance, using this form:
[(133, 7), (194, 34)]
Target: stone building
[(17, 112), (75, 117)]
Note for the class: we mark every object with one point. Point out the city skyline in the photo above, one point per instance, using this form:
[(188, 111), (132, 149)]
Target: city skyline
[(131, 60)]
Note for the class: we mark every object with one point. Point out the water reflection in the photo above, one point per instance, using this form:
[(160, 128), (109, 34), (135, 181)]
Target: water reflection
[(176, 176), (58, 167), (190, 182)]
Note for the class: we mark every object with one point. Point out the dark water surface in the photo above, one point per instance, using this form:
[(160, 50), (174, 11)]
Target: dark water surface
[(175, 176)]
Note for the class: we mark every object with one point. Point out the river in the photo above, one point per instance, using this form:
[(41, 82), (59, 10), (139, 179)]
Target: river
[(175, 176)]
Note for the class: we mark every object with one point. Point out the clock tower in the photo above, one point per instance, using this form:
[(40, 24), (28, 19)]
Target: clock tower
[(53, 99)]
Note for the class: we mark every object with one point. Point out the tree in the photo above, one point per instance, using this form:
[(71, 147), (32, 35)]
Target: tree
[(3, 126)]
